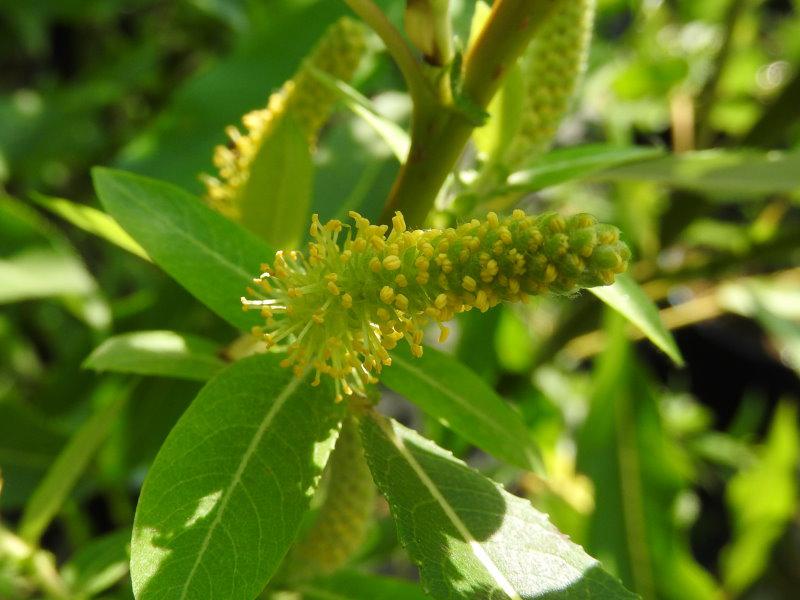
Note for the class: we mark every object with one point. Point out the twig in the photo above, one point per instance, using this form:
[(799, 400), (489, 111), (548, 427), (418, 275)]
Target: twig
[(439, 133), (400, 51)]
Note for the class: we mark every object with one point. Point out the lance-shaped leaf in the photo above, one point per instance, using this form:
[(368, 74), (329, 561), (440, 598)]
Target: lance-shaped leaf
[(98, 565), (639, 472), (274, 201), (157, 353), (72, 462), (470, 538), (738, 174), (573, 164), (92, 221), (212, 257), (762, 500), (459, 399), (226, 494), (629, 299)]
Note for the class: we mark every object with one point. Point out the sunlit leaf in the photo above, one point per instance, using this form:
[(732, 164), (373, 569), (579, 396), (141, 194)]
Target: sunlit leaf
[(92, 221), (737, 173), (158, 353), (212, 257), (762, 499), (99, 565), (461, 400), (225, 497), (628, 299), (395, 137), (42, 273), (469, 537), (39, 262), (569, 164)]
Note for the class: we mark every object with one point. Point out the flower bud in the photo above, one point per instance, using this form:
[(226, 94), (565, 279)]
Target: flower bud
[(552, 67), (304, 97)]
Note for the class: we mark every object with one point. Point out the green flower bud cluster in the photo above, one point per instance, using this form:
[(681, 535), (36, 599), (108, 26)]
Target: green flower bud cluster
[(304, 97), (341, 309), (345, 515), (552, 67)]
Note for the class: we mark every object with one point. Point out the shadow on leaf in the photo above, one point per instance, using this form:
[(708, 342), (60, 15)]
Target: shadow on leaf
[(470, 538)]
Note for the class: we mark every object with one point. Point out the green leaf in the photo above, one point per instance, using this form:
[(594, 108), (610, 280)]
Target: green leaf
[(92, 221), (470, 538), (180, 142), (42, 273), (213, 258), (569, 164), (353, 585), (28, 446), (762, 500), (41, 263), (390, 132), (741, 173), (274, 201), (639, 474), (628, 298), (98, 565), (158, 353), (225, 496), (73, 460), (462, 401)]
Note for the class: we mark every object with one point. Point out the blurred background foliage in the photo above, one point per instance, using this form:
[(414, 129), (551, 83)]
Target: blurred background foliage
[(682, 480)]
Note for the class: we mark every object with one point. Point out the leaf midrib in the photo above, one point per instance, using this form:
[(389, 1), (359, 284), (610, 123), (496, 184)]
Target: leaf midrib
[(237, 476), (477, 549), (469, 407), (208, 250)]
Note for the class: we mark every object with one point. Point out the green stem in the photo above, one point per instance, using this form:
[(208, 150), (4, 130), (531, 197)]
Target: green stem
[(439, 133), (401, 53), (708, 94)]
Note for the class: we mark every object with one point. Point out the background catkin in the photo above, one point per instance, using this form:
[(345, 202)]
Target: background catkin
[(552, 67), (306, 99), (345, 515), (340, 309)]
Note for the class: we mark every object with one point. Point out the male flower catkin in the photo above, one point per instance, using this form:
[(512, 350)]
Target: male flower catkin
[(340, 310), (304, 97), (552, 67)]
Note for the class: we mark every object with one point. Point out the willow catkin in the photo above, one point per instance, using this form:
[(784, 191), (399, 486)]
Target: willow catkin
[(340, 309), (304, 97), (345, 515), (552, 67)]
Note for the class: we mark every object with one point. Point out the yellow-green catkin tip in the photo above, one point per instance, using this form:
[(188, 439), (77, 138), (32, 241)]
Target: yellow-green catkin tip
[(308, 100), (343, 519), (552, 68), (358, 291)]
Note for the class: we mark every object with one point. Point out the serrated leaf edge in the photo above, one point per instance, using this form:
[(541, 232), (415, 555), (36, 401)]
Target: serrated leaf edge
[(478, 550)]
